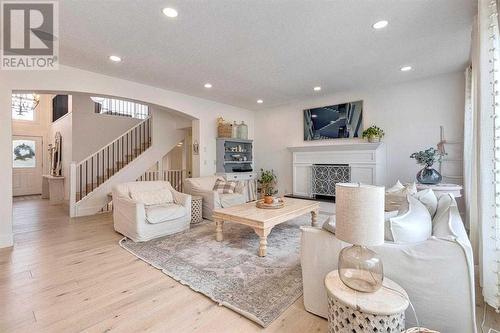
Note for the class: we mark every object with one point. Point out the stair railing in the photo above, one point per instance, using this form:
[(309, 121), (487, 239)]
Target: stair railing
[(174, 177), (96, 169)]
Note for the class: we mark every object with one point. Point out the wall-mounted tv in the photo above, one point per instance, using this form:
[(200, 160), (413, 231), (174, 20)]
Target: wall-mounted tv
[(334, 121)]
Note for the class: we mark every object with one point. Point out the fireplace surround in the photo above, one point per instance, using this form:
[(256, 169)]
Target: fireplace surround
[(366, 162)]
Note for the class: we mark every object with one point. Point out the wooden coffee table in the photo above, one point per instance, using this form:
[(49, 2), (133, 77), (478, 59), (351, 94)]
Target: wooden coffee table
[(263, 220)]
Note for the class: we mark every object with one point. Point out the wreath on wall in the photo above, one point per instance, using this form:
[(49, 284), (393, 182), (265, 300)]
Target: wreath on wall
[(23, 152)]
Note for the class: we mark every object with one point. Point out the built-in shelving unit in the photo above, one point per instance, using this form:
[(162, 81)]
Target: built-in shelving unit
[(234, 155)]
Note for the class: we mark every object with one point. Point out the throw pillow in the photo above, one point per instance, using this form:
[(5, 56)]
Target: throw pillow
[(415, 225), (149, 198), (222, 186), (429, 199), (395, 197)]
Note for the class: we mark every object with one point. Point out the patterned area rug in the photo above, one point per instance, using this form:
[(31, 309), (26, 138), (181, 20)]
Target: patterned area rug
[(230, 272)]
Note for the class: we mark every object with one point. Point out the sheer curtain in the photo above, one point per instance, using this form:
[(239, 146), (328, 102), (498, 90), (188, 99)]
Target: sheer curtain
[(485, 171)]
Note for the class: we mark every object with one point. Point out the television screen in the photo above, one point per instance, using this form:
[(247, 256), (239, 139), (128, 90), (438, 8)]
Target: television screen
[(334, 121)]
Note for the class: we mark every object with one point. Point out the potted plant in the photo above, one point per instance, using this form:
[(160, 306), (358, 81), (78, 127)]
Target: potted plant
[(267, 181), (373, 133), (428, 175)]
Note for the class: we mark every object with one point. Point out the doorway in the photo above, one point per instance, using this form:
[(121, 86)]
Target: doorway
[(27, 165)]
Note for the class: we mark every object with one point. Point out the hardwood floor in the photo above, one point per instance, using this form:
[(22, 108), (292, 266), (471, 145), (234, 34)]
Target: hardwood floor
[(70, 275)]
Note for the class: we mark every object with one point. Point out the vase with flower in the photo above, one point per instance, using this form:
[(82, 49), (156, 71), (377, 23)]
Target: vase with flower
[(428, 175)]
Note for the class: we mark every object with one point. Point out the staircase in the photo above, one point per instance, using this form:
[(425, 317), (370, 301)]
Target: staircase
[(123, 160)]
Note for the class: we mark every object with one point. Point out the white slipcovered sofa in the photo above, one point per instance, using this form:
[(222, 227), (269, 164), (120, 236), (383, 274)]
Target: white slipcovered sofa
[(203, 187), (141, 222), (437, 274)]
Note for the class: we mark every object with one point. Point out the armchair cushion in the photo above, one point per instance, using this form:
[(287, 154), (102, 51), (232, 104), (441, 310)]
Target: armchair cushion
[(163, 213), (153, 197)]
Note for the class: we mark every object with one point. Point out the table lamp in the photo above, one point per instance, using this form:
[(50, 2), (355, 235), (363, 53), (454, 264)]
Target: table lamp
[(360, 221)]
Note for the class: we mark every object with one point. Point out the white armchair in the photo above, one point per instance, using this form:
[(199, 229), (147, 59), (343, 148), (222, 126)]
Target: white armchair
[(139, 222), (203, 187)]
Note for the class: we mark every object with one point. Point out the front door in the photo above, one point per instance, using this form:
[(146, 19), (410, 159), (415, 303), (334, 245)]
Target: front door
[(27, 165)]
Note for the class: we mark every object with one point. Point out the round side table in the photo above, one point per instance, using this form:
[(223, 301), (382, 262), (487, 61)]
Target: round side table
[(357, 312)]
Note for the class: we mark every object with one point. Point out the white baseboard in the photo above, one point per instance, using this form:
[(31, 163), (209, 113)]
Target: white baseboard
[(6, 240)]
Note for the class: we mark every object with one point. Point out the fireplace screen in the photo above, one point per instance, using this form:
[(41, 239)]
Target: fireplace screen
[(325, 176)]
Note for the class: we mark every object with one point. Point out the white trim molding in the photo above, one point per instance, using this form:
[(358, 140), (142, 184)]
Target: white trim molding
[(6, 240)]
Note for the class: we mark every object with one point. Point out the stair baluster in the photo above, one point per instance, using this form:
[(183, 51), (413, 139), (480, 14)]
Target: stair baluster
[(102, 165)]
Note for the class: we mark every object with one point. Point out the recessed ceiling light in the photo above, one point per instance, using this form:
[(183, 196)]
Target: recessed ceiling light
[(115, 58), (318, 88), (170, 12), (314, 116), (406, 68), (208, 85), (380, 24), (260, 101)]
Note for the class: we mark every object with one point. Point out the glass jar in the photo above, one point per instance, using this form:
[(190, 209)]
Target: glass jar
[(243, 131), (234, 133)]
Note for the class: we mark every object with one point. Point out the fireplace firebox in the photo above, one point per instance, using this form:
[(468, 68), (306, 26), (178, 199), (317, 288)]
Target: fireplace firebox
[(325, 176)]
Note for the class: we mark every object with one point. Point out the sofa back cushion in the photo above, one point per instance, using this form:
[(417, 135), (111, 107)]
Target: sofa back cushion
[(226, 187), (415, 225), (152, 197)]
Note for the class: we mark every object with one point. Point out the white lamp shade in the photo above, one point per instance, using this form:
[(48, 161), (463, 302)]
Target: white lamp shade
[(360, 214)]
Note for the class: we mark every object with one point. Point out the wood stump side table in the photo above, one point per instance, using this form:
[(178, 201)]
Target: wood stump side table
[(351, 311), (196, 209)]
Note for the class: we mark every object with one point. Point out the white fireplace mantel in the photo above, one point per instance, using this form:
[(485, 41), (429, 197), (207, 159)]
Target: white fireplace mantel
[(366, 160)]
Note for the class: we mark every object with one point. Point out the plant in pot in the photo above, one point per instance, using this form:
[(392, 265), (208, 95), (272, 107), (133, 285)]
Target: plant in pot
[(373, 133), (428, 175), (267, 183)]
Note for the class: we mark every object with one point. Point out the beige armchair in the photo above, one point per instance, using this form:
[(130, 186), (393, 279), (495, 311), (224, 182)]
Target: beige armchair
[(203, 187), (141, 222)]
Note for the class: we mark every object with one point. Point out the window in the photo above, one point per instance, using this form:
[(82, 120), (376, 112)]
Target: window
[(23, 106), (118, 107), (23, 154)]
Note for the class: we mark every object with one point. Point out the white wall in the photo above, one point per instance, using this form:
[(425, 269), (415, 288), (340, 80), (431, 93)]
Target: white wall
[(92, 131), (410, 114), (72, 79)]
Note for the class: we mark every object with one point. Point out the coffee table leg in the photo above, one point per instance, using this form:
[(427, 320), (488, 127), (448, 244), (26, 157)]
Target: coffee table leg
[(263, 233), (314, 218), (218, 230)]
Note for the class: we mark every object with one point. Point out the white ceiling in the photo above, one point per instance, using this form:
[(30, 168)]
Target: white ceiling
[(260, 49)]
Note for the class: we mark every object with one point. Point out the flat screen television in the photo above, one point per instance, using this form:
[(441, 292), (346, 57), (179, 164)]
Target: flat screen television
[(334, 121)]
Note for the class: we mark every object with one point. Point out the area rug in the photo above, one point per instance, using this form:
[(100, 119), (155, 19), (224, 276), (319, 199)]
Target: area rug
[(230, 272)]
